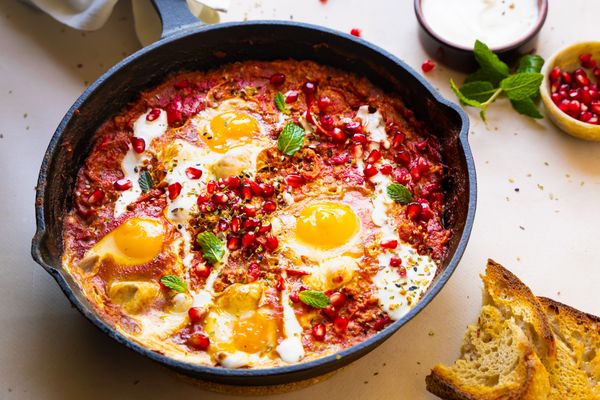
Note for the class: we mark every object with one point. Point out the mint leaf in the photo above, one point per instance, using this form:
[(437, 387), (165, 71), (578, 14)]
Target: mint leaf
[(399, 193), (212, 247), (522, 86), (280, 103), (463, 99), (174, 282), (479, 91), (314, 298), (527, 107), (491, 65), (145, 181), (290, 139), (530, 63)]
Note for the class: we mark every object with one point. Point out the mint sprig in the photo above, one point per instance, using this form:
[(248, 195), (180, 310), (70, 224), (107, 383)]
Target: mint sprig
[(399, 193), (314, 298), (279, 101), (291, 139), (213, 248), (494, 78), (174, 282)]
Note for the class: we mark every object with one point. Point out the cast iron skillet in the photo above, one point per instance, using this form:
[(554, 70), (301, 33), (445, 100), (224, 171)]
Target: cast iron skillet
[(187, 45)]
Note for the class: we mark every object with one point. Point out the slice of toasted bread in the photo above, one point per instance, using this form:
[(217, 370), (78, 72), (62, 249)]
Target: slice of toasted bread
[(503, 356), (576, 373)]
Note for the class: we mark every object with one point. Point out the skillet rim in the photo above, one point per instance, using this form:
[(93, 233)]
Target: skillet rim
[(335, 360)]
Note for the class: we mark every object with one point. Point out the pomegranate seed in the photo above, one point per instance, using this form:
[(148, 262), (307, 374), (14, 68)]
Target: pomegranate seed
[(555, 74), (566, 77), (402, 272), (585, 116), (196, 314), (265, 228), (198, 341), (327, 122), (427, 66), (330, 311), (96, 197), (340, 324), (402, 157), (249, 210), (250, 223), (386, 169), (426, 212), (211, 186), (595, 107), (248, 239), (359, 138), (324, 103), (353, 127), (318, 332), (181, 84), (269, 206), (235, 224), (294, 297), (357, 150), (174, 189), (395, 262), (233, 243), (581, 77), (246, 192), (202, 198), (153, 114), (175, 111), (398, 140), (421, 146), (554, 87), (355, 32), (413, 210), (294, 180), (373, 157), (337, 299), (266, 189), (193, 173), (338, 135), (370, 170), (138, 144), (574, 106), (222, 225), (272, 243), (382, 323), (309, 89), (255, 187), (220, 198), (587, 61), (401, 175), (291, 97), (280, 283), (596, 72), (389, 244), (253, 272), (340, 159), (586, 97), (594, 120), (233, 182), (277, 78), (573, 94), (415, 173), (123, 184)]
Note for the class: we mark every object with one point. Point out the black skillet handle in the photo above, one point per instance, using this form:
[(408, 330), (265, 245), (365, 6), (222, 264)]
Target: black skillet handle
[(175, 16)]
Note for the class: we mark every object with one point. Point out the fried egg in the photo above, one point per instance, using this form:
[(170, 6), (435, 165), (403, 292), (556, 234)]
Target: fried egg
[(241, 329), (136, 241)]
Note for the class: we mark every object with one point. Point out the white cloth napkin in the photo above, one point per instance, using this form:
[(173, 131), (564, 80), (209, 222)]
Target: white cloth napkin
[(92, 14)]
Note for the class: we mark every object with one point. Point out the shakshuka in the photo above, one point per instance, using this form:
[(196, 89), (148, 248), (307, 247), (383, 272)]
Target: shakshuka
[(258, 215)]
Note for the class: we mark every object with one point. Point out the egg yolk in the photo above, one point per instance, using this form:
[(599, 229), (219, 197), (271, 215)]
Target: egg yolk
[(326, 225), (254, 333), (135, 242), (230, 129)]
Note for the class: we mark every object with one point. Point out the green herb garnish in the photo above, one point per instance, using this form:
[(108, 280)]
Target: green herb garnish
[(494, 77), (399, 193), (212, 247), (280, 103), (290, 139), (314, 298), (145, 181), (174, 282)]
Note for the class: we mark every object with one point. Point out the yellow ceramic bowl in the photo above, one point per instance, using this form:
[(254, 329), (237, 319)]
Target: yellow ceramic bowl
[(568, 59)]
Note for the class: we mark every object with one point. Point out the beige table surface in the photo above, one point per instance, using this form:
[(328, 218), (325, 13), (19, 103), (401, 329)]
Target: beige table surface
[(547, 232)]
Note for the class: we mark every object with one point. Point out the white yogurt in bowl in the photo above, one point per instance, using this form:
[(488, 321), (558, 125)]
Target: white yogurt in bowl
[(497, 23)]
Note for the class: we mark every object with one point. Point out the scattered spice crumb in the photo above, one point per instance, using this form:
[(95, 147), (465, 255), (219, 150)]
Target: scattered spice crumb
[(1, 136), (582, 183), (541, 187), (521, 227), (80, 65), (558, 293), (25, 115), (384, 364), (86, 83), (511, 180), (507, 198), (365, 382), (136, 381), (517, 190), (10, 92), (27, 128), (546, 163), (418, 362), (519, 259), (567, 175), (529, 175), (551, 196), (431, 333), (375, 373)]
